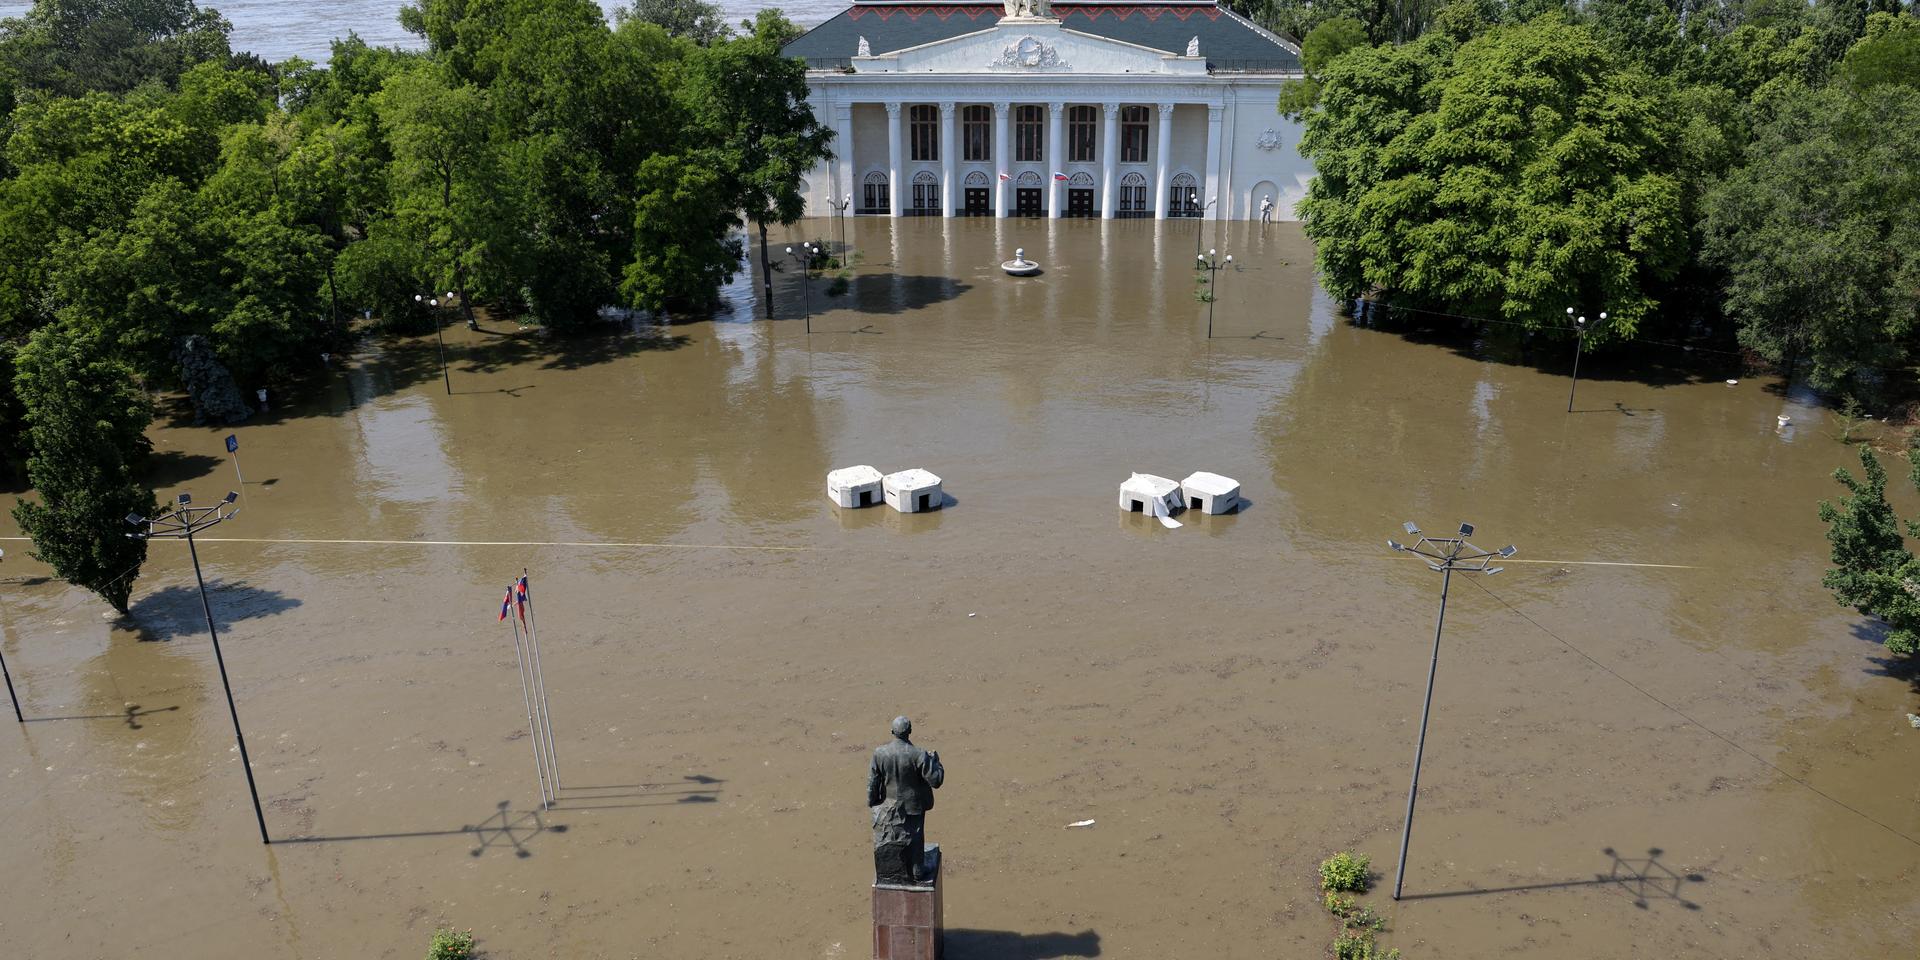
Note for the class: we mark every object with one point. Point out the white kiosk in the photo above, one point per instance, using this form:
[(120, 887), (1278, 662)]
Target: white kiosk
[(913, 491), (854, 487), (1211, 493)]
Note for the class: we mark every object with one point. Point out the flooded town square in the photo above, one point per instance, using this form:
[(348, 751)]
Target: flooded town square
[(1653, 735)]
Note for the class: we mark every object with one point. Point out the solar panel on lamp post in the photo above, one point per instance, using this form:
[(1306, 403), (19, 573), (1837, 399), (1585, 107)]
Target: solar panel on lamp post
[(1445, 555), (181, 522)]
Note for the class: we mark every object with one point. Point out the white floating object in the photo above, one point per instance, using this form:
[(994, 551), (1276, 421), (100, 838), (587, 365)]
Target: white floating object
[(854, 487), (1733, 383), (1211, 493), (1912, 721), (1143, 490), (1020, 266), (1784, 419), (913, 491), (1080, 823)]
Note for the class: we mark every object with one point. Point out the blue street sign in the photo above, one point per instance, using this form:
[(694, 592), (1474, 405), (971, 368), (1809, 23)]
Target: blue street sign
[(233, 443)]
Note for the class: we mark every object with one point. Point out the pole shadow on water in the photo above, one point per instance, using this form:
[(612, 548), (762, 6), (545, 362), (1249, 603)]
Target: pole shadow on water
[(1007, 945), (1645, 879), (131, 716), (175, 611), (505, 829)]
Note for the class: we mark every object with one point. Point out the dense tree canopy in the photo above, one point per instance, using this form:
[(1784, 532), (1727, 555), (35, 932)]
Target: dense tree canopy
[(177, 216), (1745, 170)]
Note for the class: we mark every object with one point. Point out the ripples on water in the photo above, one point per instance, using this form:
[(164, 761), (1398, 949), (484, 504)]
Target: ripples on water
[(278, 29)]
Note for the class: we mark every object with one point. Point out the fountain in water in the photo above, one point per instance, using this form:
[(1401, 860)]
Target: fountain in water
[(1020, 266)]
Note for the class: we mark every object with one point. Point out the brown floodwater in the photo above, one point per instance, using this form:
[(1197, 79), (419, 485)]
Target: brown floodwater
[(1705, 758)]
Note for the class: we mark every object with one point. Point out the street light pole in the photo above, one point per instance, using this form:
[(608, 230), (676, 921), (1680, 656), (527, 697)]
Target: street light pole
[(1579, 341), (1200, 225), (1213, 268), (1445, 555), (434, 312), (805, 259), (12, 697), (181, 523)]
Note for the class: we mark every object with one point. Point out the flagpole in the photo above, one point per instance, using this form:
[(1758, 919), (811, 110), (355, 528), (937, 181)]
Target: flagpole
[(540, 682), (533, 730)]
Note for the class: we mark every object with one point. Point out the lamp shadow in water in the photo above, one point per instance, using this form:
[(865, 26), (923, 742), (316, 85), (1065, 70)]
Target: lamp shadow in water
[(1646, 879), (1007, 945), (131, 716), (175, 611), (698, 788), (505, 829)]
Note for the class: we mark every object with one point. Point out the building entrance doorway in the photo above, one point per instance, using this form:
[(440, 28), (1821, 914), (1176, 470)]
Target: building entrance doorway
[(1079, 202), (1028, 202), (979, 202)]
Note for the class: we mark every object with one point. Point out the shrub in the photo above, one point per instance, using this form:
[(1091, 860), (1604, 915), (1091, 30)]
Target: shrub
[(1360, 946), (1345, 872), (451, 945)]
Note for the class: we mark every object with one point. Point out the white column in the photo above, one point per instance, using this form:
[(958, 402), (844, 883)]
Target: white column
[(1001, 152), (894, 186), (1109, 156), (843, 147), (1163, 152), (949, 146), (1056, 117), (1213, 162)]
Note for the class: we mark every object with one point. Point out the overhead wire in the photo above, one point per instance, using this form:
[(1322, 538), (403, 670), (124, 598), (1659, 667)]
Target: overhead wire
[(1830, 798)]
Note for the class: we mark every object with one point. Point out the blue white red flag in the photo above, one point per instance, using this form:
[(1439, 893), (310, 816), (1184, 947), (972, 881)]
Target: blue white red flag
[(519, 593), (1005, 177), (1057, 175), (506, 603)]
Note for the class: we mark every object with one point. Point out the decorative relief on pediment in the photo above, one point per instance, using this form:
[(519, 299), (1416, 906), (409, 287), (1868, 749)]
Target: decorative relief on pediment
[(1029, 53)]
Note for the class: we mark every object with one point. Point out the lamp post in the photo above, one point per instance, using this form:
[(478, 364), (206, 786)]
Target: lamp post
[(1213, 268), (840, 207), (1579, 341), (181, 523), (1444, 554), (1200, 225), (805, 258), (12, 697), (433, 311)]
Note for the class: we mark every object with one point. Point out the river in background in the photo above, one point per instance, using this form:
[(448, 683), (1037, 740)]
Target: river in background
[(278, 29)]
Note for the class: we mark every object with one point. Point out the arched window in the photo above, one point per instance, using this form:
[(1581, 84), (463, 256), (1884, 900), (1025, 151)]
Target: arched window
[(1027, 178), (1083, 180), (926, 194), (1185, 198), (873, 194), (976, 179), (1133, 196)]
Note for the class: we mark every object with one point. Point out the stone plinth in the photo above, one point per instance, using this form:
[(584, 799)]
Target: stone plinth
[(907, 918)]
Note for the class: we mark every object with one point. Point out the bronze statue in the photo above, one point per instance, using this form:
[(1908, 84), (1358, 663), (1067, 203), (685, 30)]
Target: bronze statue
[(900, 785)]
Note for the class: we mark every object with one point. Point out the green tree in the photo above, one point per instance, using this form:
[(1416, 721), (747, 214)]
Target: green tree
[(65, 48), (1506, 177), (86, 422), (684, 245), (1819, 234), (749, 103), (1888, 53), (1326, 43), (694, 20), (1873, 571)]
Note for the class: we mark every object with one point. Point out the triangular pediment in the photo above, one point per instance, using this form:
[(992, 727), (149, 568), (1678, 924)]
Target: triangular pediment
[(1029, 46)]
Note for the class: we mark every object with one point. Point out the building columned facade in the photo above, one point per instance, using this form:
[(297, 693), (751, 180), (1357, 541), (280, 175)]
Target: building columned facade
[(1090, 109)]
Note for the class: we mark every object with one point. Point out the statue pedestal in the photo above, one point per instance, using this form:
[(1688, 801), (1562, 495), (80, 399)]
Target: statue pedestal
[(907, 918)]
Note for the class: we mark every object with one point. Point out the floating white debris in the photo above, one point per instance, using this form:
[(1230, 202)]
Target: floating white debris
[(1089, 823), (1784, 419), (913, 491), (854, 487), (1733, 383), (1911, 720), (1211, 493)]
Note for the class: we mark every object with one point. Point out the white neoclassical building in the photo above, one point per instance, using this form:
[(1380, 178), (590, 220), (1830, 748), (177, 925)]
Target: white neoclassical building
[(1096, 108)]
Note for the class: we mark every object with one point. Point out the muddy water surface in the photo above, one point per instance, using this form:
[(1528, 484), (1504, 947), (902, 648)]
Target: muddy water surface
[(1704, 759)]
